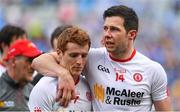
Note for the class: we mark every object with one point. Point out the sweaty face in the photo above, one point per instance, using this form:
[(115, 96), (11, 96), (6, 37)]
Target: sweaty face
[(74, 58), (115, 36), (23, 69)]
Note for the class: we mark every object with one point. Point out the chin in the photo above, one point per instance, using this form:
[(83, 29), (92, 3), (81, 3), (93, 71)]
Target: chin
[(110, 50), (76, 73)]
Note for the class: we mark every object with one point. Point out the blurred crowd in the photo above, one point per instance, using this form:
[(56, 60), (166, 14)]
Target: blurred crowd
[(158, 36)]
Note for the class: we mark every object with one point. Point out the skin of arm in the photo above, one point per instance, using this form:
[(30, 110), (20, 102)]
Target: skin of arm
[(51, 63), (164, 105), (50, 67)]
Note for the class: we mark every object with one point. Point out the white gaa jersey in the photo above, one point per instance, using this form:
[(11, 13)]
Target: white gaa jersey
[(124, 85), (42, 97)]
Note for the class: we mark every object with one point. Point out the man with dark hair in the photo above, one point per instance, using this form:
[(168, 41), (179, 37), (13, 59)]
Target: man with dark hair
[(120, 77), (56, 33), (8, 35), (72, 49), (14, 83)]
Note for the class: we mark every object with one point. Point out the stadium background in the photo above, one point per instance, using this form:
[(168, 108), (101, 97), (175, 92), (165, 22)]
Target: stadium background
[(158, 37)]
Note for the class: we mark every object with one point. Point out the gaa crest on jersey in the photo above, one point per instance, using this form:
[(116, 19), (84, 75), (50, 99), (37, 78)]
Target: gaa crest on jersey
[(137, 77), (37, 109)]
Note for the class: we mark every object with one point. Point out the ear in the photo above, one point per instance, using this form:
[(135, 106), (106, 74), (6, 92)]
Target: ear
[(132, 34), (59, 52), (13, 62)]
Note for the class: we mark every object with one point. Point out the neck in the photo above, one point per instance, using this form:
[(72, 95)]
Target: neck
[(76, 79), (122, 55)]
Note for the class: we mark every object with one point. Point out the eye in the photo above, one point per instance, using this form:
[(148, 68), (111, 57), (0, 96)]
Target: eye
[(114, 28), (105, 28), (73, 55), (84, 55)]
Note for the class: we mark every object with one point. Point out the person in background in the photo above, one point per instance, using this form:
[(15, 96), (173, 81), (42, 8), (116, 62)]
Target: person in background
[(14, 82), (72, 47), (8, 35), (55, 34), (120, 77)]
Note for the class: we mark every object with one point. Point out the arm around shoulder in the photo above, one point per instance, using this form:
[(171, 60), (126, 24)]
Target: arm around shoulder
[(46, 64)]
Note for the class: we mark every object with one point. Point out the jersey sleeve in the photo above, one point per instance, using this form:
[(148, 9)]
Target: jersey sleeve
[(41, 97), (159, 84)]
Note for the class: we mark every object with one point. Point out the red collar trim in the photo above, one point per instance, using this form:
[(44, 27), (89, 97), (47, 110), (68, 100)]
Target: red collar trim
[(124, 60), (77, 81)]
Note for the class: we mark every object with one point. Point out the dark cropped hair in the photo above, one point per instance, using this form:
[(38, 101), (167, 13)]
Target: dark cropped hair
[(57, 32), (128, 14), (8, 32)]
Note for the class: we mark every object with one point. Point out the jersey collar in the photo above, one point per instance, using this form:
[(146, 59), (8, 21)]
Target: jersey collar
[(124, 60)]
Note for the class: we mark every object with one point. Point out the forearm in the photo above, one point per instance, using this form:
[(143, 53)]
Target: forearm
[(47, 64)]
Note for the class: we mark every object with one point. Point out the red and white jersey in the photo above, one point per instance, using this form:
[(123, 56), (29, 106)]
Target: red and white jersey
[(124, 85), (42, 97)]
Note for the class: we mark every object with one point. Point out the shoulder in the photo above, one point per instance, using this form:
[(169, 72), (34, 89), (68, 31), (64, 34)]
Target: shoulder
[(45, 84), (43, 94), (97, 53), (142, 59), (152, 67)]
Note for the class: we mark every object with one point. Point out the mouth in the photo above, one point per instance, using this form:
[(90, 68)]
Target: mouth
[(109, 44), (77, 68)]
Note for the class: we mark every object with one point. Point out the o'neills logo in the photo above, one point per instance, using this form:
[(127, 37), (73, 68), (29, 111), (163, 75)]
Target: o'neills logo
[(117, 97), (99, 92)]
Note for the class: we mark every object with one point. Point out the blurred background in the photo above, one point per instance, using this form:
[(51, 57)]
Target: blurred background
[(158, 36)]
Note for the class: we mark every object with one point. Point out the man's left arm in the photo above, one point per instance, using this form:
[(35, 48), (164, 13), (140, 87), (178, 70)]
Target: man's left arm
[(160, 93), (163, 105)]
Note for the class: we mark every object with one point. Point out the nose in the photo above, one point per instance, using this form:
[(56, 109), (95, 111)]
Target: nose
[(107, 34), (79, 60)]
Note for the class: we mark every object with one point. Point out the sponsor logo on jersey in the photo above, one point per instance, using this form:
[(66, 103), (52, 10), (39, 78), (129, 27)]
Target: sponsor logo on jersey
[(104, 69), (7, 104), (99, 92), (137, 77), (111, 95)]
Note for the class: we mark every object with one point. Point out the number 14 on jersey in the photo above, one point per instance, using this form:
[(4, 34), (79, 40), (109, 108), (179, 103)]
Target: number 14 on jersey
[(119, 77)]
